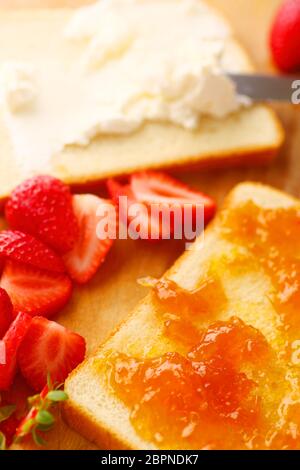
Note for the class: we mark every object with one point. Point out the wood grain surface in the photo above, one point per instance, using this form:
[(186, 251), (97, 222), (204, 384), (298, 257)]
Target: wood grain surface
[(96, 309)]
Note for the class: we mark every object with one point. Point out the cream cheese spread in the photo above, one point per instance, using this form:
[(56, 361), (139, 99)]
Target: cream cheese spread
[(138, 61), (17, 85)]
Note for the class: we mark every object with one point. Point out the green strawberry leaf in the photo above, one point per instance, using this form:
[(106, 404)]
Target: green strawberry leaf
[(45, 418), (2, 441), (38, 440), (57, 396), (6, 412), (27, 426), (39, 419), (44, 427), (33, 400), (49, 381)]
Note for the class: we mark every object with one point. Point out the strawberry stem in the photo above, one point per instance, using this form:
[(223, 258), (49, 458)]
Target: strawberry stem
[(39, 418), (2, 441)]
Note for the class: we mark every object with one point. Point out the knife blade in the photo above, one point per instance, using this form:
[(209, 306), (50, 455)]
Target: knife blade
[(266, 87)]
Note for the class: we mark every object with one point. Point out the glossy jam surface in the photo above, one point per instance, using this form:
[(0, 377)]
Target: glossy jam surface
[(272, 237), (179, 308), (174, 397), (223, 386)]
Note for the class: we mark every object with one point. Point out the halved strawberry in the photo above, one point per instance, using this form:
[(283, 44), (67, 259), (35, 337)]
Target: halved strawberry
[(6, 312), (34, 291), (9, 427), (49, 348), (25, 248), (42, 206), (160, 197), (157, 187), (93, 243), (145, 226), (11, 342)]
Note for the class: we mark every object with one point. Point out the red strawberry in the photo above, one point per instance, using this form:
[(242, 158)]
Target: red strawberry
[(91, 248), (155, 188), (143, 222), (49, 348), (151, 187), (42, 206), (285, 37), (11, 344), (8, 428), (34, 291), (117, 190), (24, 248), (6, 312), (8, 419)]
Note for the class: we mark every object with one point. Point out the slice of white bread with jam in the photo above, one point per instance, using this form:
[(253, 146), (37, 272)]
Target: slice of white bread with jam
[(95, 408), (250, 136)]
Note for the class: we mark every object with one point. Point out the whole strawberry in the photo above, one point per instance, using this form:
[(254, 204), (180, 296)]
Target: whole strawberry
[(42, 206), (26, 249), (285, 37)]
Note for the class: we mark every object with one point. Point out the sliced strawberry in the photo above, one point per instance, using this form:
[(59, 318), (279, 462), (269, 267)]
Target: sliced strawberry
[(8, 428), (49, 348), (24, 248), (156, 187), (116, 189), (8, 419), (11, 344), (161, 192), (145, 227), (42, 206), (92, 245), (34, 291), (6, 312)]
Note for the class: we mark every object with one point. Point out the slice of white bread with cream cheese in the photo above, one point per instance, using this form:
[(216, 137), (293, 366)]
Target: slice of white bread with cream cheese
[(252, 135)]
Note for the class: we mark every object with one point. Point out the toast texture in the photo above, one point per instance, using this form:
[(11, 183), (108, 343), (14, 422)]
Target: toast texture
[(248, 137), (93, 409)]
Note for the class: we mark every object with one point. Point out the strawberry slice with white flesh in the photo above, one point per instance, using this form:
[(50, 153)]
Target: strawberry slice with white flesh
[(140, 223), (95, 236), (49, 348), (11, 343), (157, 187), (34, 291), (167, 195), (6, 312)]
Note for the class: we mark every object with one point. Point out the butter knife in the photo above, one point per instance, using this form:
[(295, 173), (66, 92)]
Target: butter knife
[(267, 87)]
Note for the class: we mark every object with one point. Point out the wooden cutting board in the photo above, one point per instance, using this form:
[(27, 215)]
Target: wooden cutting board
[(96, 309)]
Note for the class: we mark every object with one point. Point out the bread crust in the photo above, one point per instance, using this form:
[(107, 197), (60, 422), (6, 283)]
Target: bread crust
[(153, 146)]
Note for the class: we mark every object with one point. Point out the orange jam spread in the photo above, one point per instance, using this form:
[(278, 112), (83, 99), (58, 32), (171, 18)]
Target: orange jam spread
[(173, 398), (179, 308), (225, 387), (233, 339), (272, 238)]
